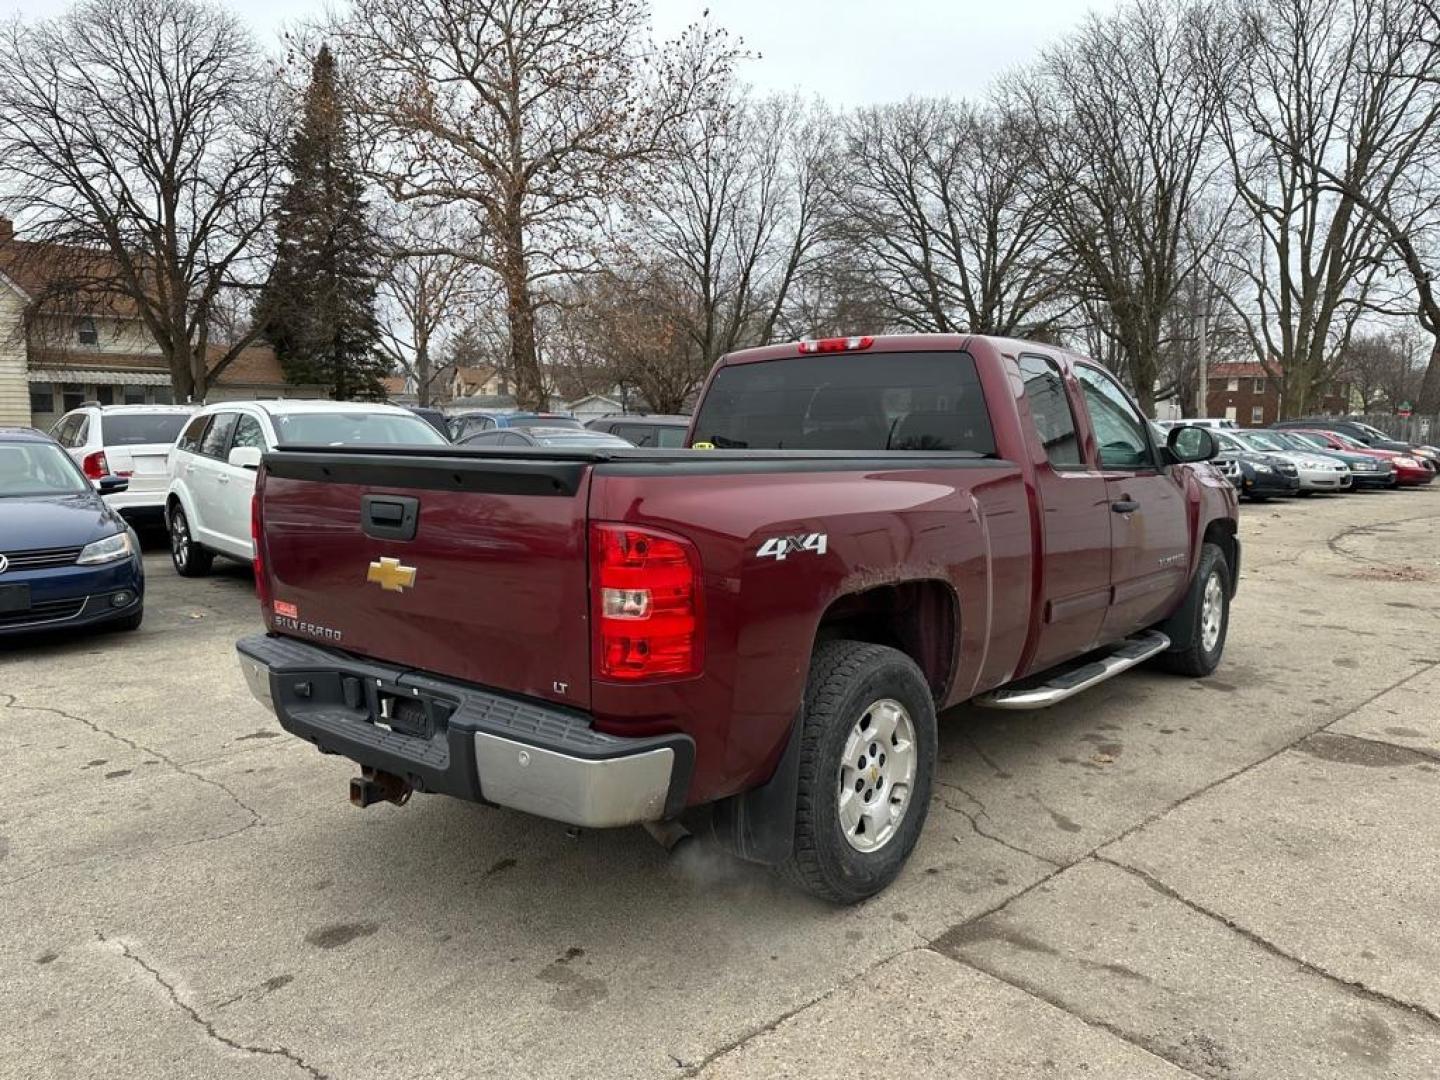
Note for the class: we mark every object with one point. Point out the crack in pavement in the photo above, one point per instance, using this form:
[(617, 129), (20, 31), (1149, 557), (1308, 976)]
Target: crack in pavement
[(1352, 985), (194, 1014), (13, 702), (770, 1025), (974, 820), (1333, 542)]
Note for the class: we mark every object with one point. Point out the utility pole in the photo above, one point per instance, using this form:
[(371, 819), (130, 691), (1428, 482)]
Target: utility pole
[(1202, 360)]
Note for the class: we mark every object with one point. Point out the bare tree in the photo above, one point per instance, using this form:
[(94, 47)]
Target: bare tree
[(1305, 125), (734, 211), (426, 291), (138, 137), (945, 206), (1122, 125), (529, 114)]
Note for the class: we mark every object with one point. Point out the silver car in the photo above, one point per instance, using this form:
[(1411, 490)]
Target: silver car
[(1317, 472)]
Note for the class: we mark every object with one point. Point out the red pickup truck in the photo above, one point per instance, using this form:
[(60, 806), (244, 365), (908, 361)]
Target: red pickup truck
[(862, 532)]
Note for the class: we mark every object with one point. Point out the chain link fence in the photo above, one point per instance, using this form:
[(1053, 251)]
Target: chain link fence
[(1412, 429)]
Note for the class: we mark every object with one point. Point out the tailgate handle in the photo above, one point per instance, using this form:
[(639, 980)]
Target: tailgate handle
[(389, 517)]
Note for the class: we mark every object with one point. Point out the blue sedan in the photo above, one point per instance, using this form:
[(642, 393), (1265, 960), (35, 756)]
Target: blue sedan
[(66, 559)]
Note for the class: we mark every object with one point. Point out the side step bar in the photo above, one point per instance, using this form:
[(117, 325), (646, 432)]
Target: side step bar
[(1066, 684)]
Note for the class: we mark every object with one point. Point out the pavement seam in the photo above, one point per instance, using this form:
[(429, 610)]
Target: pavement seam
[(772, 1024), (1055, 1003), (1352, 985), (209, 1027), (13, 702)]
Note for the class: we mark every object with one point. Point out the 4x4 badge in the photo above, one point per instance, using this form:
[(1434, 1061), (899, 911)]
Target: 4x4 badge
[(391, 575)]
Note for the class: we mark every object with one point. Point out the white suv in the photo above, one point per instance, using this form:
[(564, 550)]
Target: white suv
[(212, 466), (132, 441)]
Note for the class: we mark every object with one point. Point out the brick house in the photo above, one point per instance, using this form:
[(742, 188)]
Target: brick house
[(60, 346), (1250, 395)]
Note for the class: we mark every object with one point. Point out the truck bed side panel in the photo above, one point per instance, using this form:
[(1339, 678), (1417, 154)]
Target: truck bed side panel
[(964, 524)]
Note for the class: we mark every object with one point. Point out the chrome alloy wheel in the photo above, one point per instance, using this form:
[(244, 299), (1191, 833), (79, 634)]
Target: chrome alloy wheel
[(877, 770), (179, 537), (1212, 613)]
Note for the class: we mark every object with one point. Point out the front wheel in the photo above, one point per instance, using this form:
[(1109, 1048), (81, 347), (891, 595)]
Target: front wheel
[(867, 761), (190, 559), (1203, 620)]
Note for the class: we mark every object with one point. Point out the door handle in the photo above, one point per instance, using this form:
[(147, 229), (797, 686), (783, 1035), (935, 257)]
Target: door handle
[(222, 478), (1124, 506)]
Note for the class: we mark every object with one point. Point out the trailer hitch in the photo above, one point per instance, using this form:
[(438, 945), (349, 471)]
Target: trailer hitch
[(373, 785)]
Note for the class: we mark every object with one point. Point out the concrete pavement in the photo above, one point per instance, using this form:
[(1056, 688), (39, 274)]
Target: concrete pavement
[(1231, 877)]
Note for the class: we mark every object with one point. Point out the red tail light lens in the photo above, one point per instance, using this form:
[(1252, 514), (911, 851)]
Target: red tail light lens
[(647, 603), (257, 562), (95, 466)]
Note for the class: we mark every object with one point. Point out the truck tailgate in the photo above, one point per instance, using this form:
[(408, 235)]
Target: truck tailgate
[(491, 588)]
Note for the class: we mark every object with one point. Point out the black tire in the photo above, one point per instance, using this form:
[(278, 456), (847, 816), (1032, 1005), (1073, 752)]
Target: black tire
[(848, 679), (1258, 498), (1188, 624), (188, 557)]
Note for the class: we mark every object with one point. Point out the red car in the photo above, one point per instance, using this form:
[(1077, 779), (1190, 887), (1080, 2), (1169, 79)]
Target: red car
[(1409, 471), (863, 532)]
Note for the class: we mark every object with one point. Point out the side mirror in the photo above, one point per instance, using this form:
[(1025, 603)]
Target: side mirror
[(245, 457), (112, 485), (1191, 443)]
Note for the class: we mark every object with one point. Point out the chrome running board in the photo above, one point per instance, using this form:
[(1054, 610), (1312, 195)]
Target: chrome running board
[(1068, 683)]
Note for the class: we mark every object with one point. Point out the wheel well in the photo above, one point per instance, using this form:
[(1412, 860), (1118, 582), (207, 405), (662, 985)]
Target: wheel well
[(920, 618), (1221, 533)]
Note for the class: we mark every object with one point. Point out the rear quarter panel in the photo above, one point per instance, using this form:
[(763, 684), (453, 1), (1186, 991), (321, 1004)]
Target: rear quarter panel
[(966, 525)]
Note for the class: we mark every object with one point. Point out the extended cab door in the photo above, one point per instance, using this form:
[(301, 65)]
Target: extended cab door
[(1149, 524), (1074, 522)]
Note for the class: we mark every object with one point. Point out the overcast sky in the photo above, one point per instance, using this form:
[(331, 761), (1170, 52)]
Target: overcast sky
[(846, 51)]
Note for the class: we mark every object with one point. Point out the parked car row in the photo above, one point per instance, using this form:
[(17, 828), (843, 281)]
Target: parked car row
[(1301, 457)]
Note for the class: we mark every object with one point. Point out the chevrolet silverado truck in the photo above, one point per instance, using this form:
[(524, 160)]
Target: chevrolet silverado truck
[(754, 632)]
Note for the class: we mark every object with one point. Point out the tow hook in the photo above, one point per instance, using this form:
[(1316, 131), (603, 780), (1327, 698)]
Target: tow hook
[(373, 786), (668, 834)]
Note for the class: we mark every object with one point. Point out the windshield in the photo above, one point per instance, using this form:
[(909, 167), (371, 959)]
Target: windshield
[(1310, 442), (851, 401), (137, 429), (38, 469), (544, 421), (1261, 441), (355, 429), (1226, 440), (1348, 440)]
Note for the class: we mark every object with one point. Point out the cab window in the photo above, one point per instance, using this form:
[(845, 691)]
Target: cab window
[(1050, 409), (217, 437), (1119, 429), (248, 433), (190, 437)]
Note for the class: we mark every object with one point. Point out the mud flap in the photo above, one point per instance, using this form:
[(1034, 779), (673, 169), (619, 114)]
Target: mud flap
[(759, 825)]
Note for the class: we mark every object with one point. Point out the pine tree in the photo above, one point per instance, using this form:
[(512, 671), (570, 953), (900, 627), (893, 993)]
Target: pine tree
[(318, 307)]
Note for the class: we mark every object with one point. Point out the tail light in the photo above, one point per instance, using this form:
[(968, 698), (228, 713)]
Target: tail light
[(647, 603), (835, 344), (95, 466), (257, 562)]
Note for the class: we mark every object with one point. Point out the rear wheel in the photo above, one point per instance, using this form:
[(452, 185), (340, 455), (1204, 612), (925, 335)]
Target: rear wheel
[(190, 559), (867, 760), (1204, 618)]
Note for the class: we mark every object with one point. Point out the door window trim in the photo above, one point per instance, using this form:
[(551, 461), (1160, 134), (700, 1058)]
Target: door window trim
[(1155, 465)]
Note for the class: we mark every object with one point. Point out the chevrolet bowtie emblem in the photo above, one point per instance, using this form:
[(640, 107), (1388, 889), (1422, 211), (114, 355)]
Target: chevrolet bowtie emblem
[(390, 575)]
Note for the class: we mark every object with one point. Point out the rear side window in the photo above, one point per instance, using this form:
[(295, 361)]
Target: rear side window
[(194, 431), (137, 429), (851, 401), (217, 436), (1050, 409)]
